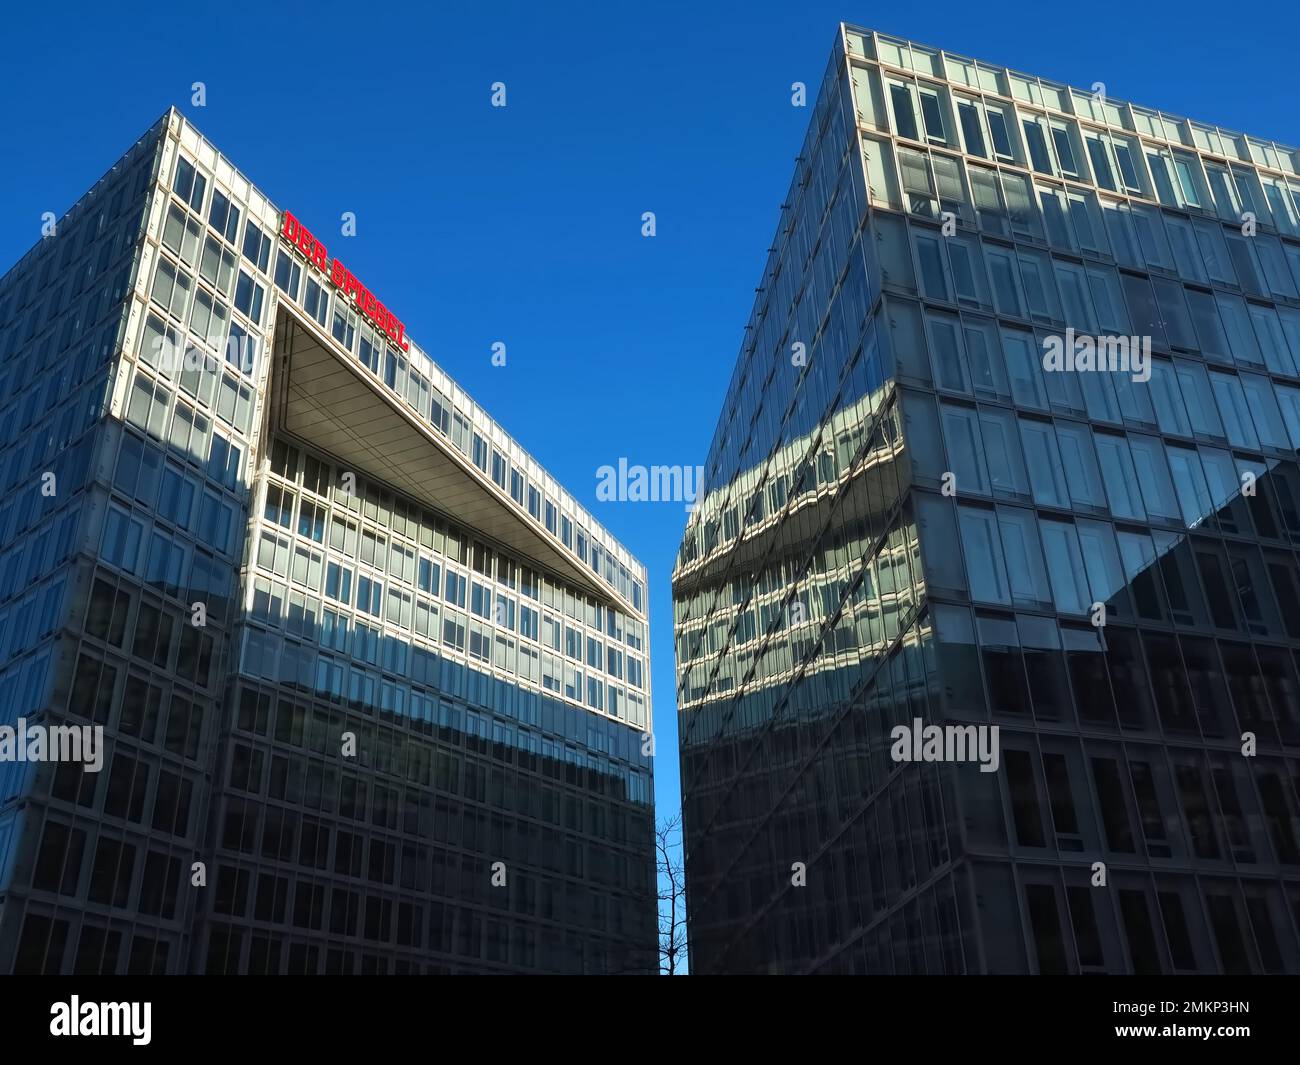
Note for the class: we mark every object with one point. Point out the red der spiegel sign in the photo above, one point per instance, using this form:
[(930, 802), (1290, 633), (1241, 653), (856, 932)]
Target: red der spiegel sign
[(300, 239)]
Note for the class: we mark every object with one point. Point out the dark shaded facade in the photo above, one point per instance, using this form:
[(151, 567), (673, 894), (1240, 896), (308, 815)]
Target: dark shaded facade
[(353, 650), (908, 515)]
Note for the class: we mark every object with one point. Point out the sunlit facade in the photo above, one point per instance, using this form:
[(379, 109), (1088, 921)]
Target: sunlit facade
[(908, 515), (355, 652)]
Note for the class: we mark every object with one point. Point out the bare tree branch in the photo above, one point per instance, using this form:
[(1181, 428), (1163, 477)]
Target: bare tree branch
[(672, 895)]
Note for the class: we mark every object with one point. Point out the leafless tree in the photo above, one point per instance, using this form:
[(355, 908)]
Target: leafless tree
[(671, 876)]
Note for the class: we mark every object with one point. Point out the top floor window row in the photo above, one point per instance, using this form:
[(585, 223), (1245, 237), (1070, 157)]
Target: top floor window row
[(1093, 106), (1063, 147)]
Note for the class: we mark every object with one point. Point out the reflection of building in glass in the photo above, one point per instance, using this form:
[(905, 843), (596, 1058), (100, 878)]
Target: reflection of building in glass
[(407, 734), (922, 523)]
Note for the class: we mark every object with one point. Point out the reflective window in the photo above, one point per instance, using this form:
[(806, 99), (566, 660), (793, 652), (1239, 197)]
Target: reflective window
[(1026, 576), (1044, 461), (982, 546), (1065, 564), (945, 345), (1231, 400), (984, 354), (1079, 464), (1002, 447), (1120, 477), (1189, 484), (1152, 470), (966, 453), (1023, 368)]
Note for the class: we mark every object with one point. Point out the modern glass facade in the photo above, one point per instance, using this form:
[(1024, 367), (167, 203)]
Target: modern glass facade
[(352, 648), (910, 514)]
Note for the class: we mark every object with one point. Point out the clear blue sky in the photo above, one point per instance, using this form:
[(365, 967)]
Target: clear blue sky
[(522, 224)]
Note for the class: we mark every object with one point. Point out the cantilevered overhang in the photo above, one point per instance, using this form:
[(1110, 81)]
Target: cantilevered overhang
[(327, 399)]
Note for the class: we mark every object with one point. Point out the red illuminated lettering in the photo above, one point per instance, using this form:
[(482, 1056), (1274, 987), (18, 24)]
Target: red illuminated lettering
[(349, 286)]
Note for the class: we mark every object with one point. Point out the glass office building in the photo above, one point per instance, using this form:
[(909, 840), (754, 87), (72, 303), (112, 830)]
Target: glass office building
[(912, 513), (353, 650)]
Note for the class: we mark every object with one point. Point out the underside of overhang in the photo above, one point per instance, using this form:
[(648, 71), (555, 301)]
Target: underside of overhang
[(329, 401)]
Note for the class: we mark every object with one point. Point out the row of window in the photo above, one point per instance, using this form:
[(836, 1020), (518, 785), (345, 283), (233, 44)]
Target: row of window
[(303, 566), (985, 79), (235, 895), (1063, 147), (1183, 685), (207, 317), (162, 801), (24, 564), (436, 704), (853, 613), (1129, 806), (143, 706), (479, 942), (419, 813), (45, 941), (27, 621), (335, 677), (121, 618), (51, 396), (1167, 936), (833, 302), (252, 827), (45, 947), (845, 562), (375, 541), (1093, 298), (1065, 464), (1010, 553), (33, 280), (182, 499), (531, 730), (382, 551), (782, 432), (79, 305), (62, 402), (977, 357), (30, 511), (1008, 204)]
